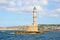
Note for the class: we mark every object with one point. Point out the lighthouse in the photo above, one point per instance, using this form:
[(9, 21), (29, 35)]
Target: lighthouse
[(33, 27)]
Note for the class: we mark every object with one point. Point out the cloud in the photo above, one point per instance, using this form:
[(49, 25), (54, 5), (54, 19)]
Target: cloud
[(57, 0), (39, 8), (26, 6), (11, 3), (58, 10), (11, 9), (49, 13), (55, 13), (45, 2), (55, 3), (20, 5), (3, 1)]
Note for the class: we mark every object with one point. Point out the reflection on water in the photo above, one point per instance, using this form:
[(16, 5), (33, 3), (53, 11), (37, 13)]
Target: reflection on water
[(6, 35)]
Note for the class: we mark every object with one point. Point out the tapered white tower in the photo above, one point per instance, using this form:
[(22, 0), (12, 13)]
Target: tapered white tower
[(34, 26), (34, 16)]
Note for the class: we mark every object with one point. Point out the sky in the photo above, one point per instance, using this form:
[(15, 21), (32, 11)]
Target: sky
[(20, 12)]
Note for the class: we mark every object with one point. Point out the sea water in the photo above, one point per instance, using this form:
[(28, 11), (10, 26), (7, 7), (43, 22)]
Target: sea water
[(7, 35)]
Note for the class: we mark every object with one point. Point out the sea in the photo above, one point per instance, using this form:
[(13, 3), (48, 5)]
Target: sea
[(8, 35)]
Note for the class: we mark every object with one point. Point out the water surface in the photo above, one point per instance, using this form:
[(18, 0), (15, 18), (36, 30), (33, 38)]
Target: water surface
[(7, 35)]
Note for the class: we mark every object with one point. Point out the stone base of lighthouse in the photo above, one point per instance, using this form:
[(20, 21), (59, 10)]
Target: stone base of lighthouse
[(31, 28)]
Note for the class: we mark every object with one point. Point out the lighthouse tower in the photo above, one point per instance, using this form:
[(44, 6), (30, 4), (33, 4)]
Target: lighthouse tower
[(34, 16), (34, 26)]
